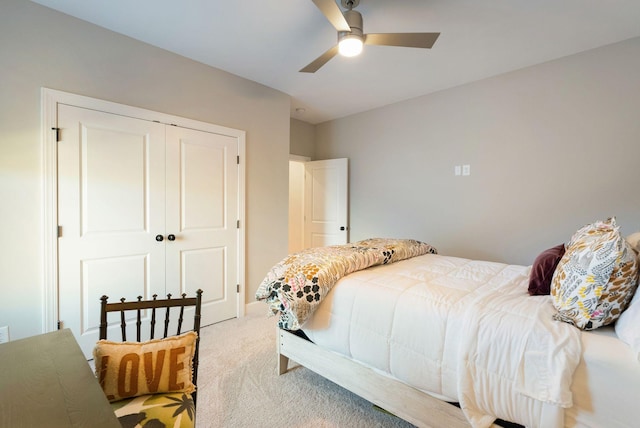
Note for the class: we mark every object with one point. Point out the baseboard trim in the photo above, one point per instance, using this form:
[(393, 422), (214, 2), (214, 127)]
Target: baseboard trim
[(255, 308)]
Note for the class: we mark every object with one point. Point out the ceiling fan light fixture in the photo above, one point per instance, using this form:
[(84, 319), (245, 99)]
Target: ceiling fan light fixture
[(350, 42), (350, 45)]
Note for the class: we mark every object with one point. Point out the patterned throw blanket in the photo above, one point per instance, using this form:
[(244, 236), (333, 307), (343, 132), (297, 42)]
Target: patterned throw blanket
[(295, 286)]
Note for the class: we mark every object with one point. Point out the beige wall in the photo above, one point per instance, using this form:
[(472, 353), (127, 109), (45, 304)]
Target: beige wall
[(551, 147), (303, 139), (43, 48)]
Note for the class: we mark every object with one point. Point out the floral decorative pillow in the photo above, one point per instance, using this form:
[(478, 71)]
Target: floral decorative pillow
[(596, 278), (130, 369)]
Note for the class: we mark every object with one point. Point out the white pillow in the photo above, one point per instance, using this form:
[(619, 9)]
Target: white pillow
[(634, 241), (627, 325)]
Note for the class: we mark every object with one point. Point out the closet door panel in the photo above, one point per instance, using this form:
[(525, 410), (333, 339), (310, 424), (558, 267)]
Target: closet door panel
[(113, 182), (203, 201), (202, 213), (111, 205)]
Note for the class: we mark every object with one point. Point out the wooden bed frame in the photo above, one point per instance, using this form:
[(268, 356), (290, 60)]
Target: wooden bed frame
[(404, 401)]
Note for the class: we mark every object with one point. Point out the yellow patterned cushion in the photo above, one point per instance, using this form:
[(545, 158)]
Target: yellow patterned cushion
[(596, 277), (129, 369), (171, 410)]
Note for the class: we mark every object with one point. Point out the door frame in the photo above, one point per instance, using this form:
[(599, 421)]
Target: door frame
[(300, 195), (50, 98)]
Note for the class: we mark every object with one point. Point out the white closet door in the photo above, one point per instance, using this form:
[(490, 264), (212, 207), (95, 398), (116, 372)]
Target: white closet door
[(111, 206), (202, 214)]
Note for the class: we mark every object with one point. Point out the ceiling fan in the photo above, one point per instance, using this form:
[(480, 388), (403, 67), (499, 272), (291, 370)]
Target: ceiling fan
[(351, 37)]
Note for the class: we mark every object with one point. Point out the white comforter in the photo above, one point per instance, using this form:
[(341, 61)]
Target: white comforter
[(462, 330)]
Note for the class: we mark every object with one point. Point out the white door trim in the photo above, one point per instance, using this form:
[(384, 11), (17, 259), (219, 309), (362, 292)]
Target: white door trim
[(50, 99), (298, 158), (296, 202)]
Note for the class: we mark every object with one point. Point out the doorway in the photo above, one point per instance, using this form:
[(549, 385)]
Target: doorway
[(318, 203)]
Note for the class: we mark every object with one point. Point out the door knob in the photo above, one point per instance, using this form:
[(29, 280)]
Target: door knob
[(159, 238), (341, 227), (171, 237)]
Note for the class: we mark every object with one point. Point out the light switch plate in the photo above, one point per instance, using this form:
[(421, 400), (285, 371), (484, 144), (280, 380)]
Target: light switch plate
[(466, 169)]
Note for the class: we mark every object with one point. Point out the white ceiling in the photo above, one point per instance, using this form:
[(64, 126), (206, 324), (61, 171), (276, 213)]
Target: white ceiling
[(268, 41)]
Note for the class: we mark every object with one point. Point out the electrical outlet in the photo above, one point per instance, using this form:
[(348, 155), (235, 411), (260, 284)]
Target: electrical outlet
[(4, 334)]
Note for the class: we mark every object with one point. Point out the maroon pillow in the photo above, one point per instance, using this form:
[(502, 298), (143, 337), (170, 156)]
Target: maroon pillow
[(542, 270)]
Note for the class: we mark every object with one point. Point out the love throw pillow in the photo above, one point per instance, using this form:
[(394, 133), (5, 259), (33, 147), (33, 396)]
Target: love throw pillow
[(130, 369)]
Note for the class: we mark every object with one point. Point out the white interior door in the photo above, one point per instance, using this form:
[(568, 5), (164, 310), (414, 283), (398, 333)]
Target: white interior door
[(111, 205), (326, 203), (202, 214)]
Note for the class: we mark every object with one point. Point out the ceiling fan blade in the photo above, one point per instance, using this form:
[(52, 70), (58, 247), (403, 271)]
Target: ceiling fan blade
[(332, 12), (320, 61), (409, 40)]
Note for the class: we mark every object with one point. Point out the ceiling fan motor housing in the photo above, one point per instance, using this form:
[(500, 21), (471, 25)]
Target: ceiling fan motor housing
[(354, 19), (349, 3)]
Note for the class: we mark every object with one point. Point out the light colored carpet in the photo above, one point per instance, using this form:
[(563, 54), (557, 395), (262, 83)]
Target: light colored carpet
[(238, 385)]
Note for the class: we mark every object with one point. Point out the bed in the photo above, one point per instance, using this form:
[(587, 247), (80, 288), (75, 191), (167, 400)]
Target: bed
[(413, 331)]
